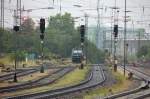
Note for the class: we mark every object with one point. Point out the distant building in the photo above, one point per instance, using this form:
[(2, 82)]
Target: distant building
[(134, 38)]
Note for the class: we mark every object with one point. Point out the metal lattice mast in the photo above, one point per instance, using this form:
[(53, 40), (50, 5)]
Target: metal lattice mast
[(112, 32), (98, 23), (17, 23), (86, 32), (2, 14), (17, 14), (125, 30), (20, 10)]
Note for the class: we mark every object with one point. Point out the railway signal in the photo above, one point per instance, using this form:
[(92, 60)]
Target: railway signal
[(42, 29), (42, 25), (16, 29), (42, 36), (82, 40), (115, 31), (115, 44), (82, 32)]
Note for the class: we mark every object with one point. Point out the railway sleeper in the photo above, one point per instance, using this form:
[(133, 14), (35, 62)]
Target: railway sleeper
[(145, 85)]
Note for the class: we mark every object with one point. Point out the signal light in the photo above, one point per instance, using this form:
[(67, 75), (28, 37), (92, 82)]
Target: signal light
[(42, 25), (41, 36), (82, 30), (16, 28), (82, 39), (115, 30)]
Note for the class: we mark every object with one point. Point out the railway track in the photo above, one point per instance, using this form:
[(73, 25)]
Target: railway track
[(96, 78), (138, 73), (48, 79), (10, 73), (141, 92), (19, 74), (139, 70), (24, 72)]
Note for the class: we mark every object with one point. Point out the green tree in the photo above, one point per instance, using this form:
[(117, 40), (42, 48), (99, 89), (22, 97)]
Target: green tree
[(144, 52), (60, 38), (27, 27), (6, 41), (27, 37), (61, 35), (18, 55), (94, 55)]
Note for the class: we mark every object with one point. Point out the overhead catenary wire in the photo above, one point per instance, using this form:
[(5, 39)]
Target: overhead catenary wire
[(65, 6)]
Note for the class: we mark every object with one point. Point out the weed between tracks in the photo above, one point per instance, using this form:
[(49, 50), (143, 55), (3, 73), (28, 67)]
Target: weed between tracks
[(6, 60), (122, 84), (72, 78), (26, 78)]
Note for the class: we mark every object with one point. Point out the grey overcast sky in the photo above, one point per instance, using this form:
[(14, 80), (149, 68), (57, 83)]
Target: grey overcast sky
[(140, 10)]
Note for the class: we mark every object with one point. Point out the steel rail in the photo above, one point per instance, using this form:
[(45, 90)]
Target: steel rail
[(19, 74), (39, 82), (136, 90), (23, 72), (97, 77)]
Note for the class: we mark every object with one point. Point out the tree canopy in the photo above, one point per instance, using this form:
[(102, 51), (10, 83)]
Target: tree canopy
[(144, 52), (61, 37)]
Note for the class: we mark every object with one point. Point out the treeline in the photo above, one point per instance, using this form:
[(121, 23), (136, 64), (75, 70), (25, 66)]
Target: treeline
[(144, 52), (61, 37)]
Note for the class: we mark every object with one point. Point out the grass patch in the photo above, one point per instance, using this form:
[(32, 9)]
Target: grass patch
[(27, 78), (6, 60), (72, 78), (121, 85), (35, 75), (62, 62)]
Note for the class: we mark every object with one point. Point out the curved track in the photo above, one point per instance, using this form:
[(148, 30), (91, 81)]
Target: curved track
[(97, 77), (139, 70), (48, 79), (19, 74), (138, 73), (139, 93), (24, 72)]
